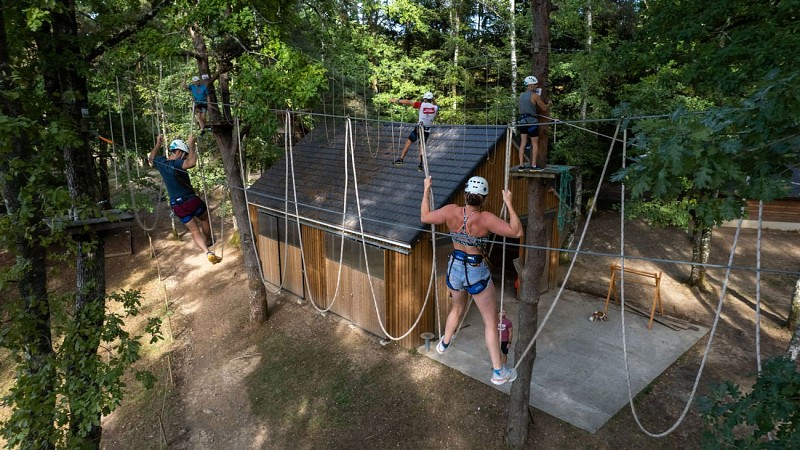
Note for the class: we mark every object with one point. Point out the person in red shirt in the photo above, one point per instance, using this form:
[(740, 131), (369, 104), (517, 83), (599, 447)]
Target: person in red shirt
[(506, 334), (427, 113)]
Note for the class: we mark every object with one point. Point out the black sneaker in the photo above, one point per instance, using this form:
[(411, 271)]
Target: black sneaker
[(420, 168), (398, 162), (537, 168)]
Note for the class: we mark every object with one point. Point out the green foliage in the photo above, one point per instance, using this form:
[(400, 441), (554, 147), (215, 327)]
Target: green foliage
[(661, 213), (69, 384), (768, 416)]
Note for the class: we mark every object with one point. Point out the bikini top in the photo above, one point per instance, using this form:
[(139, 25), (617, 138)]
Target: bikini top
[(463, 237)]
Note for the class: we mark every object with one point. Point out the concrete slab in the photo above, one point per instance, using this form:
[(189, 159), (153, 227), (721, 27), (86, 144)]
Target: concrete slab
[(579, 372)]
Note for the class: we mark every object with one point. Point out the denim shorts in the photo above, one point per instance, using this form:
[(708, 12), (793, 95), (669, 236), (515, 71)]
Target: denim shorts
[(464, 276)]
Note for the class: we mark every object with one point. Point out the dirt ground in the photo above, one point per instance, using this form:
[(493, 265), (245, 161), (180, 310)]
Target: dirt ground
[(305, 381)]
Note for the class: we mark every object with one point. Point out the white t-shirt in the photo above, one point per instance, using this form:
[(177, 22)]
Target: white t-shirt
[(427, 112)]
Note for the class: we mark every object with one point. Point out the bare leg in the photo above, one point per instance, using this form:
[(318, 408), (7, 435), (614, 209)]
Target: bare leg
[(201, 119), (405, 149), (534, 150), (523, 141), (487, 305), (197, 234), (454, 316), (205, 226)]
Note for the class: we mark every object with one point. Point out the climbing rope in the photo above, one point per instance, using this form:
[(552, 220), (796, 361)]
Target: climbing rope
[(348, 141), (622, 315)]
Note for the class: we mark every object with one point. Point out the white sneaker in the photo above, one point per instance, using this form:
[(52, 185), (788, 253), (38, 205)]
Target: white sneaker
[(504, 375), (440, 348)]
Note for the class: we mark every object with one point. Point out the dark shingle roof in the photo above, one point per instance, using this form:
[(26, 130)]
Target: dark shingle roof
[(389, 195)]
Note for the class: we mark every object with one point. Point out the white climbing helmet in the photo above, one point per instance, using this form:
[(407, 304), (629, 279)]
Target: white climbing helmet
[(427, 96), (178, 144), (477, 185), (530, 79), (195, 79)]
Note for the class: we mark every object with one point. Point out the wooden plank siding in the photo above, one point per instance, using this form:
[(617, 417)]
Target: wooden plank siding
[(267, 251), (314, 252), (407, 280), (783, 210), (354, 300)]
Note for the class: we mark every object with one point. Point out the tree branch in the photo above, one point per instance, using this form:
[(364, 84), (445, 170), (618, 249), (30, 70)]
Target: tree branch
[(127, 32)]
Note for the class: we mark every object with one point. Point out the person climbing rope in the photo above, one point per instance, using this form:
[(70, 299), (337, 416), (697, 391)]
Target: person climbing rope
[(190, 208), (427, 113), (530, 104), (467, 271), (200, 96)]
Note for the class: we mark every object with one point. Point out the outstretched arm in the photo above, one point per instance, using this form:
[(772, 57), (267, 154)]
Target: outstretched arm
[(191, 158), (154, 151)]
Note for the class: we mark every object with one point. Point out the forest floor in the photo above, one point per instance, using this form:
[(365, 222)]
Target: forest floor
[(305, 381)]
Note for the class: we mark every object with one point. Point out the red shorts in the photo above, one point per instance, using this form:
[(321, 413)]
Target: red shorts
[(193, 207)]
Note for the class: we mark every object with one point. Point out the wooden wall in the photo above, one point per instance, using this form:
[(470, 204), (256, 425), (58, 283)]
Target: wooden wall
[(354, 299), (314, 252), (407, 280), (783, 210)]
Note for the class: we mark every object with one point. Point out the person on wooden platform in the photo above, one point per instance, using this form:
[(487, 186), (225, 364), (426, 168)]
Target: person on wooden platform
[(427, 113), (200, 96), (530, 104), (190, 209), (467, 270)]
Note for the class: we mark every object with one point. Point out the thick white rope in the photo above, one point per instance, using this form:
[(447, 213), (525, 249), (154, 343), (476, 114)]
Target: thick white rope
[(575, 255), (503, 213), (364, 246), (423, 148), (710, 336), (347, 141), (250, 218)]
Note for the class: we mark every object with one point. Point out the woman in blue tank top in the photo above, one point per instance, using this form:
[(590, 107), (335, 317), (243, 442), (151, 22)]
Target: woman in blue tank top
[(467, 272)]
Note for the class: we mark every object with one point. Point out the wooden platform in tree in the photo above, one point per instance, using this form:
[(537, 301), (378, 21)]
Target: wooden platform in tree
[(110, 219), (550, 171)]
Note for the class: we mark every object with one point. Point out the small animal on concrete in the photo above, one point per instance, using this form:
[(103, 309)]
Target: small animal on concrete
[(598, 315)]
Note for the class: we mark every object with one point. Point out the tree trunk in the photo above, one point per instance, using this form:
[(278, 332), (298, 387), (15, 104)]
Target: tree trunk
[(81, 346), (794, 323), (512, 32), (532, 272), (794, 310), (228, 144), (701, 249), (65, 83), (34, 318)]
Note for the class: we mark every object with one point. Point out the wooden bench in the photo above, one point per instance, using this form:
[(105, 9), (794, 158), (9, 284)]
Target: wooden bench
[(640, 277)]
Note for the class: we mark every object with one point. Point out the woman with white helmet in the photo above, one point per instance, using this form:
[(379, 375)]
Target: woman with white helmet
[(427, 113), (189, 208), (530, 103), (467, 271)]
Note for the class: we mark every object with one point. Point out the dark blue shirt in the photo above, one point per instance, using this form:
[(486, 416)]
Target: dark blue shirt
[(176, 179)]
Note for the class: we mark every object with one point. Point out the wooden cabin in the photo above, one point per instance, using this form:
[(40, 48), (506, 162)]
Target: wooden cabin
[(779, 214), (386, 253)]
